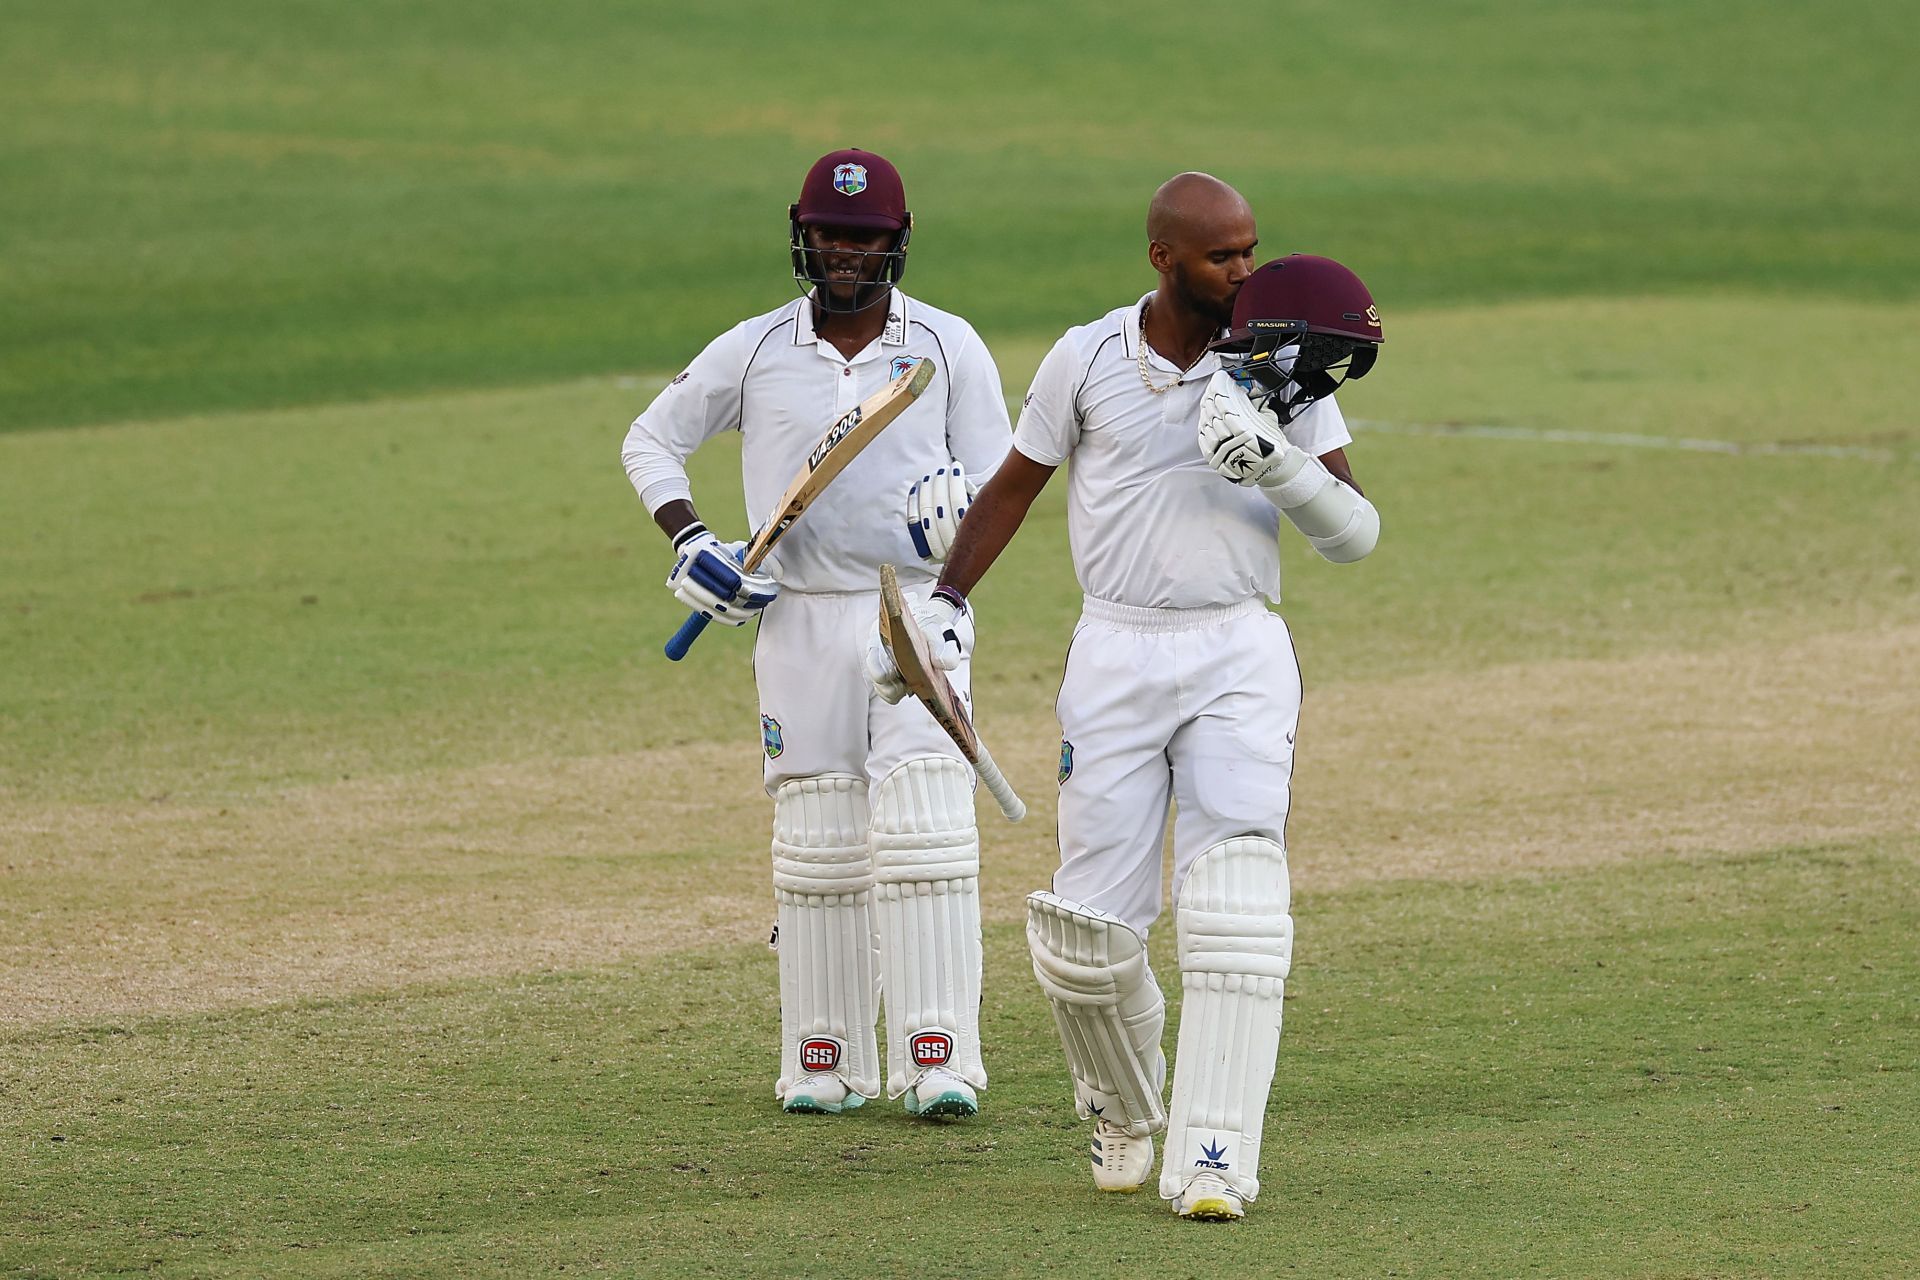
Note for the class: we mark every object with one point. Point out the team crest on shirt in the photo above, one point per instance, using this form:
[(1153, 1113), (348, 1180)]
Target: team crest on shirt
[(850, 179), (1066, 761), (900, 365), (770, 737)]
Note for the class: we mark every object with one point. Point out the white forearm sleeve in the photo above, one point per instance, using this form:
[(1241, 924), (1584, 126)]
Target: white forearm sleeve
[(658, 475), (1337, 518)]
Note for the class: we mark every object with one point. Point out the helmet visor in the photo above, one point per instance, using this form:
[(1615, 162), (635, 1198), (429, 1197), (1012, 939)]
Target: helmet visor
[(1285, 369)]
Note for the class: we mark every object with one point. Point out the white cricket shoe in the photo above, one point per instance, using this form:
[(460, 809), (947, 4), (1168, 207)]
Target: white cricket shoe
[(821, 1094), (1121, 1162), (938, 1093), (1208, 1198)]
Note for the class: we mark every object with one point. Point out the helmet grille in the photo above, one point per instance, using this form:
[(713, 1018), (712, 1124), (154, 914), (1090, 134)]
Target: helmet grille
[(1323, 351)]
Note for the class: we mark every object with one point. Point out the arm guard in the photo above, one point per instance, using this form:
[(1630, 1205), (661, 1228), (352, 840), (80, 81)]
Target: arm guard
[(1336, 518)]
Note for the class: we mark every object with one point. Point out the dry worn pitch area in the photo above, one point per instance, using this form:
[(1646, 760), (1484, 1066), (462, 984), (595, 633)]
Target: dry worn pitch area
[(325, 890)]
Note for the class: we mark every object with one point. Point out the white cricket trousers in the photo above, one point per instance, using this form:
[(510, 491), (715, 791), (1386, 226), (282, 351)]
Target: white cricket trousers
[(818, 714), (1193, 707)]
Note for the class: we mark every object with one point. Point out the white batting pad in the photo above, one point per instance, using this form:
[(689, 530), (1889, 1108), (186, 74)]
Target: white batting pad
[(926, 867), (829, 979), (1107, 1007), (1236, 943)]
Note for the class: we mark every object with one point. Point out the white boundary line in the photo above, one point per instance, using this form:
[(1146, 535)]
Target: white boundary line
[(1621, 439)]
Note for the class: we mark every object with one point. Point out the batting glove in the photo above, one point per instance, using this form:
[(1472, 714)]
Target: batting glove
[(935, 504), (946, 622), (883, 673), (708, 579), (1242, 443)]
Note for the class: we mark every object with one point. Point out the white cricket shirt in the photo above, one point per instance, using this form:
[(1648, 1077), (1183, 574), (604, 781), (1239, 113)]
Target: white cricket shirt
[(1152, 525), (781, 387)]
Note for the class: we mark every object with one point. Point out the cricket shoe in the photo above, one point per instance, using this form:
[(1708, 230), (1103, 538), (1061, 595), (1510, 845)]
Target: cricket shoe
[(1121, 1162), (1208, 1198), (938, 1093), (821, 1094)]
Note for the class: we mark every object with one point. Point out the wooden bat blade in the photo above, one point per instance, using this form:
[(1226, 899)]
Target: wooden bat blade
[(908, 645), (904, 641), (851, 432)]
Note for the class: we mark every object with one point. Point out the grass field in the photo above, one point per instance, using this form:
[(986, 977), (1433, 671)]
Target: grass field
[(376, 900), (232, 205)]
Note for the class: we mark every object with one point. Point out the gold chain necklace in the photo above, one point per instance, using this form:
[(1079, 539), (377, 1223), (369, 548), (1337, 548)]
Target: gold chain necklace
[(1146, 379)]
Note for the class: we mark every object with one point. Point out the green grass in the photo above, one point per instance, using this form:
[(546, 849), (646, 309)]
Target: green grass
[(1686, 1068), (230, 205), (319, 329), (217, 604)]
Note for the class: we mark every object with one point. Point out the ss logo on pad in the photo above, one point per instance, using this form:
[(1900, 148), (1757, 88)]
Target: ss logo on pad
[(931, 1048), (819, 1054)]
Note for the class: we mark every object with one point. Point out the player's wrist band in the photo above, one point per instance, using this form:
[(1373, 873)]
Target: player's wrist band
[(952, 596), (692, 531)]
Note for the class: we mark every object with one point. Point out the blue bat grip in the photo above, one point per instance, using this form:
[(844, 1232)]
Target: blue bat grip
[(689, 632)]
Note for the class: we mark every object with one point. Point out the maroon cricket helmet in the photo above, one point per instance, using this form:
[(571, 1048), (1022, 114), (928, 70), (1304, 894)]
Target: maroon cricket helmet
[(1302, 325), (850, 188)]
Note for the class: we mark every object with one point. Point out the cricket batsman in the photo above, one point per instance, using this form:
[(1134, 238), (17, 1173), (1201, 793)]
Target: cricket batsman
[(1200, 421), (876, 861)]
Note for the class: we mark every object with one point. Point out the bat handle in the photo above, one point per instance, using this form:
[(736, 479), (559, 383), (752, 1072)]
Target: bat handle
[(682, 640), (1010, 804)]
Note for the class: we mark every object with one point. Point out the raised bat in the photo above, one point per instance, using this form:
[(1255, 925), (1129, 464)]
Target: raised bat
[(903, 638), (851, 432)]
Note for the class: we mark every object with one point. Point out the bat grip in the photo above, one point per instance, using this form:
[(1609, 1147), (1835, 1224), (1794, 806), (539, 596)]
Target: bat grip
[(1010, 804), (682, 640)]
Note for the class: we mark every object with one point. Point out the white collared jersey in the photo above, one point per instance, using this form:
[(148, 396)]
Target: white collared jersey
[(780, 386), (1151, 524)]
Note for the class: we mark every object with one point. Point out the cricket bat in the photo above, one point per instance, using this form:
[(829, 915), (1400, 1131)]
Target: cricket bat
[(903, 638), (851, 432)]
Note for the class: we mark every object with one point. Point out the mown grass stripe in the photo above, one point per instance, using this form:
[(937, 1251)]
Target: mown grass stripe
[(1629, 440)]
